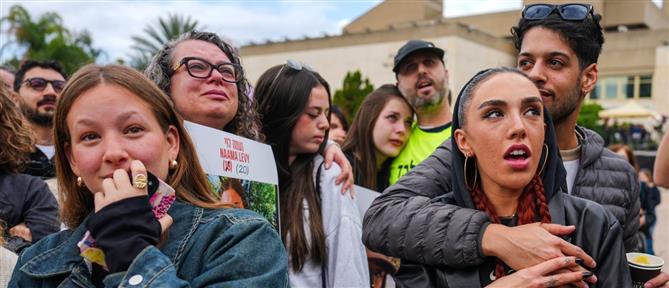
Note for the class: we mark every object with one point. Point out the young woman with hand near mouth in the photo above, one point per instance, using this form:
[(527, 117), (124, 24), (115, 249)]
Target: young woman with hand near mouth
[(113, 126)]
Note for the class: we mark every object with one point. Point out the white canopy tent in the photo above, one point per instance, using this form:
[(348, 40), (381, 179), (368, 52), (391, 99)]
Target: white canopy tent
[(631, 109)]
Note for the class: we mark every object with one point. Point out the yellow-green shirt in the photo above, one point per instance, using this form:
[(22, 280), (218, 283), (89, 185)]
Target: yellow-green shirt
[(422, 144)]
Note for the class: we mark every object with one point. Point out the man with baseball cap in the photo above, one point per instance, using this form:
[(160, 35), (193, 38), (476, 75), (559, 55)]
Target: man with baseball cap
[(422, 79)]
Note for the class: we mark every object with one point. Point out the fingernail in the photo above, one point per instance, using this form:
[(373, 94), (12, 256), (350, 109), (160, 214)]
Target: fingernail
[(587, 274), (578, 261)]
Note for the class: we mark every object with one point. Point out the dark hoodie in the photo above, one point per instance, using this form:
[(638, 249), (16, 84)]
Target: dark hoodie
[(598, 233)]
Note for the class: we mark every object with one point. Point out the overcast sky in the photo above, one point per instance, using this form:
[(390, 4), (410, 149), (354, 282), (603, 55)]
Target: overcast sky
[(113, 22)]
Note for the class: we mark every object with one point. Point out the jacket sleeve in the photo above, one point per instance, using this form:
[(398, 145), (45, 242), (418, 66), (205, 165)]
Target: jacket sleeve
[(41, 210), (613, 271), (405, 223), (347, 261), (631, 226), (267, 266)]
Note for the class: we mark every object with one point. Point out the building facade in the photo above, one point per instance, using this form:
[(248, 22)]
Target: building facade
[(634, 63)]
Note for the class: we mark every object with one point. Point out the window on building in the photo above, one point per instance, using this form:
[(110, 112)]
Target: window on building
[(594, 94), (629, 87), (623, 87), (645, 86)]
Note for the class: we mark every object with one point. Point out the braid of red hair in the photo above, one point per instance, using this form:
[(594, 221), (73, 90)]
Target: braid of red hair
[(538, 186), (482, 203), (532, 197)]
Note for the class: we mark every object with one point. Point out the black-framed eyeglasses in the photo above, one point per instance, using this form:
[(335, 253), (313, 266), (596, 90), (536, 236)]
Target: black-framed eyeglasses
[(569, 12), (202, 69), (292, 64), (39, 84)]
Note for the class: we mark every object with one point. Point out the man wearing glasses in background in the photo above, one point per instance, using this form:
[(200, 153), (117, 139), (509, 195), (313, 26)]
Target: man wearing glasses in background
[(558, 49), (38, 85)]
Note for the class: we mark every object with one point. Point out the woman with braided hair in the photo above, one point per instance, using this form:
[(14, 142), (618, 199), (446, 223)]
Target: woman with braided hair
[(505, 162)]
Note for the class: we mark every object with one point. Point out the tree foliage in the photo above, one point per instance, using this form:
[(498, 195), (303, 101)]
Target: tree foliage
[(588, 117), (155, 37), (353, 92), (46, 38)]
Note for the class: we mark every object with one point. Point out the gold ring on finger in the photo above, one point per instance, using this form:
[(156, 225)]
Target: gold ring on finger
[(140, 181)]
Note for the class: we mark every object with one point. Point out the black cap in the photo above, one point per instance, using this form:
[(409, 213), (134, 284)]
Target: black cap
[(414, 46)]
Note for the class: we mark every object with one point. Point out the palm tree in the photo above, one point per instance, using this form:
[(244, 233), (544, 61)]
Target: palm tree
[(156, 36), (47, 38)]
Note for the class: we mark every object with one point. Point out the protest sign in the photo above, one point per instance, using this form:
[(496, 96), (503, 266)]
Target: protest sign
[(241, 172)]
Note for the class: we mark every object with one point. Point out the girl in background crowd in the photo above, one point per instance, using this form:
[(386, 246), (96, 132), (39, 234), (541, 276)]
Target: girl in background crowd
[(650, 198), (321, 228), (28, 209), (505, 162), (338, 125), (112, 126), (203, 76), (386, 116), (644, 215)]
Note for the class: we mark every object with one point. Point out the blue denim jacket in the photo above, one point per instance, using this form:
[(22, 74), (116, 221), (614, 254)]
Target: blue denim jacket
[(205, 247)]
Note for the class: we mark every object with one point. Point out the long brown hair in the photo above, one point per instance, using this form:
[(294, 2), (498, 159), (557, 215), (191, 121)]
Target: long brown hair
[(359, 140), (16, 139), (188, 178), (283, 94)]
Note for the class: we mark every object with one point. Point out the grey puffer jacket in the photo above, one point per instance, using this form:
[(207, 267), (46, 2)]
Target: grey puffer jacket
[(608, 179), (445, 234)]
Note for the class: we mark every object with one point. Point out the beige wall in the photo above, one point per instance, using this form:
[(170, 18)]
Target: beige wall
[(375, 61), (496, 24), (631, 52), (634, 12), (396, 11), (661, 80)]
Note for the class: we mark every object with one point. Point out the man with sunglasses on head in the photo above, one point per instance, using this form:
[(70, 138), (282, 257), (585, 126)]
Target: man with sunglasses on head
[(38, 85), (558, 49)]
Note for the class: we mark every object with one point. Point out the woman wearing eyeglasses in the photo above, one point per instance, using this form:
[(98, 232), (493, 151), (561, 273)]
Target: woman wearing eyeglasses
[(137, 201), (203, 76), (320, 227), (505, 162)]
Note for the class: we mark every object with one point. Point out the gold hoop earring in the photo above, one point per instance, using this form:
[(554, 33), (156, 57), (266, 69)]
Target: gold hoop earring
[(545, 160), (470, 187), (173, 164), (80, 182)]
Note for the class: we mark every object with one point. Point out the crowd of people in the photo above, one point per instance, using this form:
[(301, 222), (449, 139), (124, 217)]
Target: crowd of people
[(100, 183)]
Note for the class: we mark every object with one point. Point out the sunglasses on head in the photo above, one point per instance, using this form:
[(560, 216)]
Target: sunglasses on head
[(292, 64), (569, 12), (39, 84)]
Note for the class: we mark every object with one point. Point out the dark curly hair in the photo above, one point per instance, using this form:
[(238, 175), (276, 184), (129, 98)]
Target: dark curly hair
[(585, 37), (246, 122), (30, 64), (16, 138)]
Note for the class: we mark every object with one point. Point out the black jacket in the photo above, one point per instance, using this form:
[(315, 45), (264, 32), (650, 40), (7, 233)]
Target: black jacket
[(447, 231), (27, 199), (40, 165)]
